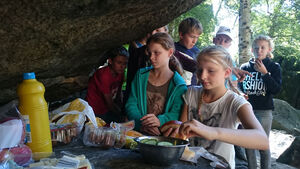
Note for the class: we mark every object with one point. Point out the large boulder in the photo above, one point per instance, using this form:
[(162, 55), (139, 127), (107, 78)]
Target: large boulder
[(62, 41), (285, 117), (291, 155)]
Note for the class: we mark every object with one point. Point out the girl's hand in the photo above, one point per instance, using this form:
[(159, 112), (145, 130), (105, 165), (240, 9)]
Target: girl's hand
[(171, 132), (260, 67), (195, 128), (240, 74), (153, 131), (150, 120)]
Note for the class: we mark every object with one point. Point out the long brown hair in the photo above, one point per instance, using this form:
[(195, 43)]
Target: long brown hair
[(166, 41)]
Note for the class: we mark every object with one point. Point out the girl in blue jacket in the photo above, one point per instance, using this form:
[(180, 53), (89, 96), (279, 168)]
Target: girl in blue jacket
[(156, 91), (260, 88)]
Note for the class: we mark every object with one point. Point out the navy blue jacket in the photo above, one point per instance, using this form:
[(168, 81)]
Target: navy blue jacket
[(261, 88), (193, 52)]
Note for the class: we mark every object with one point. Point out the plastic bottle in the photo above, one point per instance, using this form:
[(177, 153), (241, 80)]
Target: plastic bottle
[(34, 110)]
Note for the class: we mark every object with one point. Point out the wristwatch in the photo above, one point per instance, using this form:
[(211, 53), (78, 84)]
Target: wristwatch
[(267, 74)]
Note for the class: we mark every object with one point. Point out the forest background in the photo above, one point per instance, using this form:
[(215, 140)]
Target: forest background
[(279, 19)]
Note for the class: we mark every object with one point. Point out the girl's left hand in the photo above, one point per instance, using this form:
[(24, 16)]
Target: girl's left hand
[(150, 120), (260, 67)]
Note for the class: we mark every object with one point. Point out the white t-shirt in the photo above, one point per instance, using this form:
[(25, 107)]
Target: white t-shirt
[(220, 113)]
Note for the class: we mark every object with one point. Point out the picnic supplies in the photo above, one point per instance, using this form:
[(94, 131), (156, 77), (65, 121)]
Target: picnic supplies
[(68, 120), (34, 110)]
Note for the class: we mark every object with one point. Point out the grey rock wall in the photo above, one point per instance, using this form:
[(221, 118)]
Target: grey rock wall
[(62, 41), (285, 117)]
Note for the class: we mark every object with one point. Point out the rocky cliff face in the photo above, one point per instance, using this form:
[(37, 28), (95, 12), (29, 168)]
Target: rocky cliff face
[(62, 41), (286, 118)]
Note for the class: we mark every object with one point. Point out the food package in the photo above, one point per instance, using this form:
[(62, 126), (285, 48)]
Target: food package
[(133, 134), (106, 137), (103, 137), (100, 123), (62, 133), (6, 160), (122, 129), (74, 114), (21, 155), (67, 161), (192, 154)]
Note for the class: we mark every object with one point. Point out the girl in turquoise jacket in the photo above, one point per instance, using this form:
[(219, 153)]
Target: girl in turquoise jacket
[(156, 92)]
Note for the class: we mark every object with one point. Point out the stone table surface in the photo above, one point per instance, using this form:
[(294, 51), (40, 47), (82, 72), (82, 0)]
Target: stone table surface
[(122, 158)]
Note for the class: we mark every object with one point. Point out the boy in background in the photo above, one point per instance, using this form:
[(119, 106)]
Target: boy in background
[(104, 93), (186, 52), (224, 38)]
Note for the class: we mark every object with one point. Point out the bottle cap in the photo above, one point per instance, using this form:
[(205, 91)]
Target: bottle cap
[(27, 76)]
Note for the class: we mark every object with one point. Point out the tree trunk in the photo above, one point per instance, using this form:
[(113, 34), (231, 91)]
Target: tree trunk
[(244, 31)]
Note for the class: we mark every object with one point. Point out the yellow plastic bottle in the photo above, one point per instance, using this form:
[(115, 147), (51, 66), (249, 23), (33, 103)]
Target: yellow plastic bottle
[(34, 109)]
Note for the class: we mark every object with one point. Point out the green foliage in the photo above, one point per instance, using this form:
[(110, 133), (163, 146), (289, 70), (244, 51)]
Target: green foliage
[(289, 59), (202, 12)]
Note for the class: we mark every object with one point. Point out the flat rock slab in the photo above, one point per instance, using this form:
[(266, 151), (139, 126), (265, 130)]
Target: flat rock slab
[(123, 158)]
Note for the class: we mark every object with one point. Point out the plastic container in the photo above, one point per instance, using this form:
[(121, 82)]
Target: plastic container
[(34, 109)]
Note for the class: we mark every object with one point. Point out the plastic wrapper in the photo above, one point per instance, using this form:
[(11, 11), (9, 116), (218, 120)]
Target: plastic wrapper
[(21, 156), (191, 154), (13, 152), (106, 137), (69, 116), (103, 137), (120, 135), (67, 161), (12, 131), (63, 133)]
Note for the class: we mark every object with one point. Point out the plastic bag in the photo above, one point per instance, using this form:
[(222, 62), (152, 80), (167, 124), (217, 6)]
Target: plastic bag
[(21, 155), (191, 154), (122, 129), (74, 112), (12, 129), (106, 137), (11, 133), (13, 152)]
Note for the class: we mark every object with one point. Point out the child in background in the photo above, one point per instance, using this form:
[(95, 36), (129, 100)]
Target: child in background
[(138, 58), (224, 38), (189, 31), (265, 83), (211, 112), (104, 89), (156, 91)]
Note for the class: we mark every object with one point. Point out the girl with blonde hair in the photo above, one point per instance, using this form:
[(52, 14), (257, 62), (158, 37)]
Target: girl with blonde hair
[(211, 112), (260, 88)]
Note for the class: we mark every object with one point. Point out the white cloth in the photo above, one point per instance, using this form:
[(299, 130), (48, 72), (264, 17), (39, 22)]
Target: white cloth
[(220, 113)]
